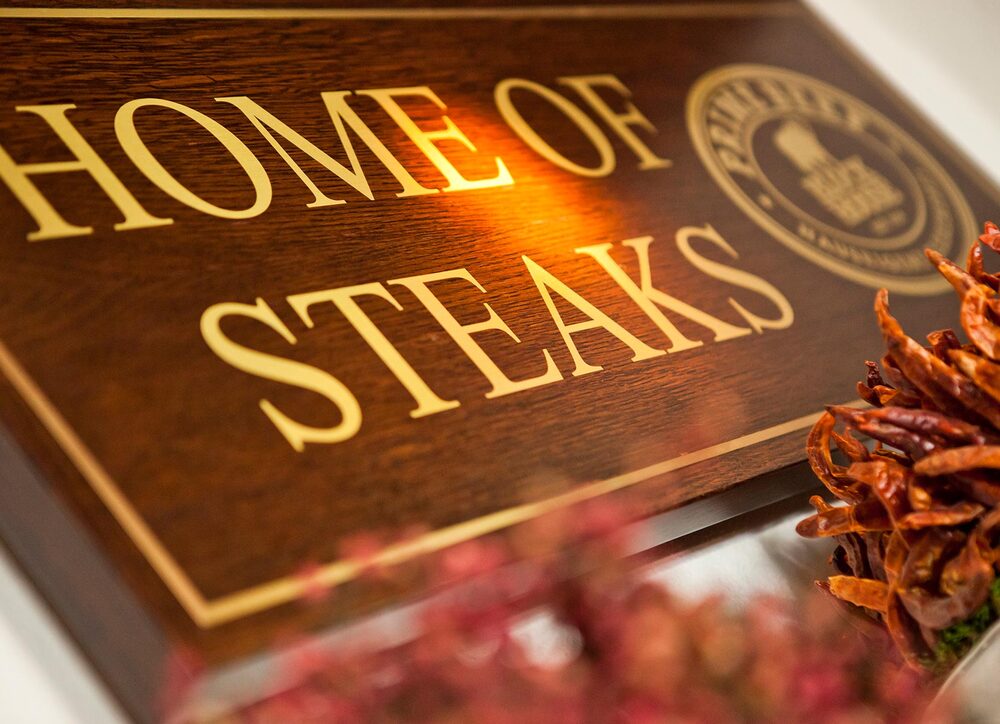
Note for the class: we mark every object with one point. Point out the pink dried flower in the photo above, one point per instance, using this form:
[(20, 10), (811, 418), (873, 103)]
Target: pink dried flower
[(182, 672), (633, 652), (469, 559), (363, 549), (315, 589)]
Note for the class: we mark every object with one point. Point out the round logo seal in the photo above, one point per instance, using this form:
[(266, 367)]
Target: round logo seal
[(828, 176)]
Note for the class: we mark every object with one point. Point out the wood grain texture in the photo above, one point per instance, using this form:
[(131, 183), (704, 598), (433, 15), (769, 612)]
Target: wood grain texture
[(106, 326)]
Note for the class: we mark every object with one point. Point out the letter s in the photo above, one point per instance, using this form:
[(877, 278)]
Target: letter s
[(279, 369), (739, 278)]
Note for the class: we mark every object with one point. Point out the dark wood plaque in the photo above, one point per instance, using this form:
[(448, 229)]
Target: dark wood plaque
[(270, 278)]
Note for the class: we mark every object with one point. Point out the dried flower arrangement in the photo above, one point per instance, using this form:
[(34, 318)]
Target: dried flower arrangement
[(918, 538), (616, 648)]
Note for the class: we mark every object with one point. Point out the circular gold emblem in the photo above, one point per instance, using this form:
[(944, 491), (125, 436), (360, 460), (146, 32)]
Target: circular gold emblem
[(828, 176)]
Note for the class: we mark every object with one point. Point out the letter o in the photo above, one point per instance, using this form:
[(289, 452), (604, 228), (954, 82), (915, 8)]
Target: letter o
[(515, 120), (129, 139)]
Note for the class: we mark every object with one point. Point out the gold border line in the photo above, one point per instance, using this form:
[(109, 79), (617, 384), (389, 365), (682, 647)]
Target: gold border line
[(255, 599), (283, 590), (102, 483), (562, 12)]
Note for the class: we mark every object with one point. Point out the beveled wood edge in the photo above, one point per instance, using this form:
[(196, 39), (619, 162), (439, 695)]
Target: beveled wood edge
[(767, 8), (60, 560)]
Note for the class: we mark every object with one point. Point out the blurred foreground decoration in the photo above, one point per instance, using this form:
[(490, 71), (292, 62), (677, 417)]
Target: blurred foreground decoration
[(919, 534), (550, 622)]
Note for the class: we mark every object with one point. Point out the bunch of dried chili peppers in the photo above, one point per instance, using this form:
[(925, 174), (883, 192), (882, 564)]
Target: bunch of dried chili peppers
[(918, 536)]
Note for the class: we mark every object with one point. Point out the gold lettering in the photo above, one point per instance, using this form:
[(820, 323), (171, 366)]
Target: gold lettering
[(620, 122), (735, 102), (723, 330), (775, 92), (737, 277), (279, 369), (129, 139), (427, 141), (722, 136), (50, 224), (427, 401), (515, 120), (340, 112), (462, 333), (548, 283), (734, 162), (648, 297)]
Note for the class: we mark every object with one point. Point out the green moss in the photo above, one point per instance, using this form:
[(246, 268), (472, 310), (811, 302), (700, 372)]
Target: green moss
[(955, 641)]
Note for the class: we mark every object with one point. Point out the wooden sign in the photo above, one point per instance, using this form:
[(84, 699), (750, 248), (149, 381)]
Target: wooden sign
[(273, 277)]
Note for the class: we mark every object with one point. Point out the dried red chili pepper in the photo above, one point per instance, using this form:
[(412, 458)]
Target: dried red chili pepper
[(949, 515), (865, 516), (958, 459), (984, 373), (991, 236), (863, 592)]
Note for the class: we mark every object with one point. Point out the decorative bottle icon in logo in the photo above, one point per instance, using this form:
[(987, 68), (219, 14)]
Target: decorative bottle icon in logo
[(847, 188)]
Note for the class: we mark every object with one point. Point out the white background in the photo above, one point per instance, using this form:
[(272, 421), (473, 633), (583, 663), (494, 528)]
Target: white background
[(942, 55)]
